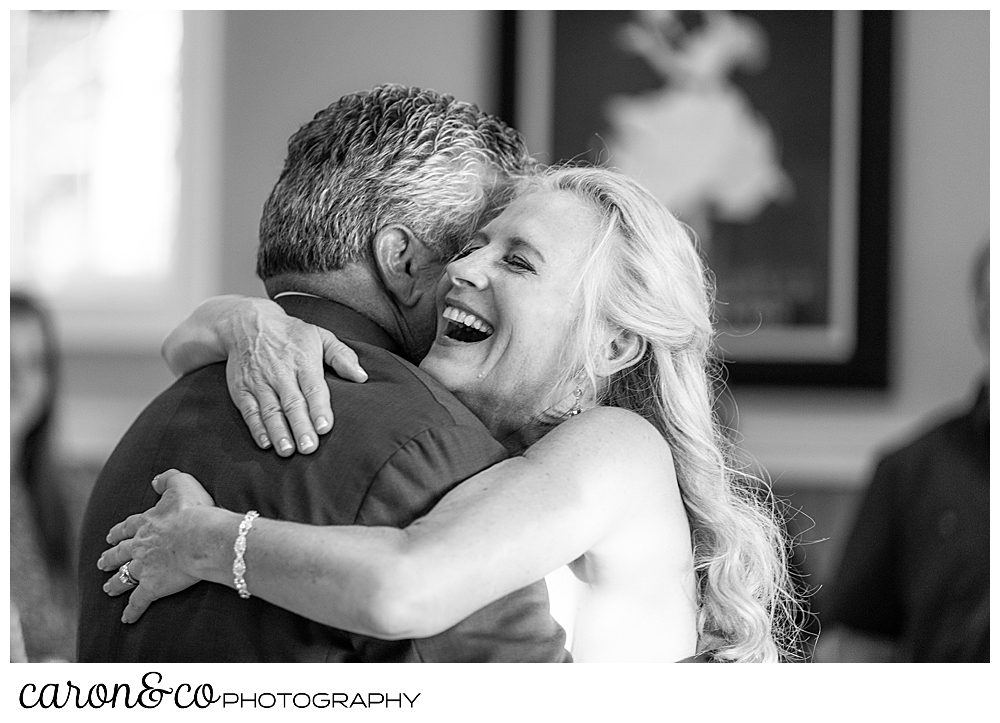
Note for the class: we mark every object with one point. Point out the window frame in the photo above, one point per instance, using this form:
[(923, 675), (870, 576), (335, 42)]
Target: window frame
[(135, 314)]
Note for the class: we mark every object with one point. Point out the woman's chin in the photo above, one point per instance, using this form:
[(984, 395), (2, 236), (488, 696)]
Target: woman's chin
[(444, 362), (458, 363)]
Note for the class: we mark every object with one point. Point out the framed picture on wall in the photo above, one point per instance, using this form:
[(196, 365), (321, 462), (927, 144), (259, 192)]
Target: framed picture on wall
[(766, 132)]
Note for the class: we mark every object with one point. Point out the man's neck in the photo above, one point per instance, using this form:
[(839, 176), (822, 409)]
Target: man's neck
[(356, 287)]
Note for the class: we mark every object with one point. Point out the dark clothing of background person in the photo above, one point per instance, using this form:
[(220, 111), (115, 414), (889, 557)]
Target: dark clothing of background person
[(916, 569), (41, 594), (400, 441)]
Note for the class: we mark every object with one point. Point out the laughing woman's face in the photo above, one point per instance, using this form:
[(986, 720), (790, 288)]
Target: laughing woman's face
[(506, 308)]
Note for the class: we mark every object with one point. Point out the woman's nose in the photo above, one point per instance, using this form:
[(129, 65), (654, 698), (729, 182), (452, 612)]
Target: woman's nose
[(469, 271)]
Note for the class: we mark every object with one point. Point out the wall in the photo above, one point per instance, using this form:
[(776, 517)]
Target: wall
[(281, 67), (940, 216)]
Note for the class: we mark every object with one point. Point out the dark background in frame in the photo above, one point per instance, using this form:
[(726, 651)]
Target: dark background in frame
[(867, 366)]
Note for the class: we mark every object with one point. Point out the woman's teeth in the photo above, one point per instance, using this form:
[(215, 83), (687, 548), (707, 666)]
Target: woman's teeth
[(466, 327)]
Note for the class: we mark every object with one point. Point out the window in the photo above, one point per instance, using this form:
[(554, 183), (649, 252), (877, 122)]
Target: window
[(113, 168)]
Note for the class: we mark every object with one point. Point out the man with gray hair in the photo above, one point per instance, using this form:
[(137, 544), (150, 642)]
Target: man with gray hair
[(378, 191)]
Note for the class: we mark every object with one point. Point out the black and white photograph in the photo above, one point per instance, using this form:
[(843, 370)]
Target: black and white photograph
[(387, 336)]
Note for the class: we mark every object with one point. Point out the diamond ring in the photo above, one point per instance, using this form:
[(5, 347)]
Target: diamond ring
[(125, 576)]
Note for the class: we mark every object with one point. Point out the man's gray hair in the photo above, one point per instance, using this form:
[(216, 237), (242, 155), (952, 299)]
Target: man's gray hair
[(391, 155)]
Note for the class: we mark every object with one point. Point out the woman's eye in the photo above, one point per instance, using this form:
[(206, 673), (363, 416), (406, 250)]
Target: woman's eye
[(518, 263), (463, 253)]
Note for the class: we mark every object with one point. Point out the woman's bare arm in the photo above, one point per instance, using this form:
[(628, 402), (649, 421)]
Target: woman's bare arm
[(274, 366), (496, 532)]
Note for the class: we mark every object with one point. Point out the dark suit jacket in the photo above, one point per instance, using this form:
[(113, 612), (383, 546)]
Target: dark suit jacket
[(400, 442), (916, 568)]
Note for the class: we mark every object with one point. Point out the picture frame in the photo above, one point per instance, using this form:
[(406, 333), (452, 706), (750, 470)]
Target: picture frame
[(799, 243)]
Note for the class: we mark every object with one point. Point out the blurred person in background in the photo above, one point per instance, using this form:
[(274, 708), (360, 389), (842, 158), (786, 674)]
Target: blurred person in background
[(914, 582), (42, 616)]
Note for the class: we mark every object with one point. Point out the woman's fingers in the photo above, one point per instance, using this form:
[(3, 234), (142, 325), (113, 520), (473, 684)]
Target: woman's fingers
[(297, 412), (115, 557), (161, 480), (306, 401), (187, 489), (279, 385), (277, 413), (115, 587), (317, 396), (124, 529), (341, 358), (138, 601), (246, 403), (263, 404), (261, 411)]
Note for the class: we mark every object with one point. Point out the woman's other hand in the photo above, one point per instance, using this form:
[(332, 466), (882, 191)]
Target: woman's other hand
[(157, 544), (274, 367)]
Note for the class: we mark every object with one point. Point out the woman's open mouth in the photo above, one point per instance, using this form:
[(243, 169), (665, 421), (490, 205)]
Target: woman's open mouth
[(465, 327)]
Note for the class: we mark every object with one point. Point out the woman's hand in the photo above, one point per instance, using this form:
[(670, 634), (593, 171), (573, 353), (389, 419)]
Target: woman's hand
[(156, 544), (274, 367), (276, 379)]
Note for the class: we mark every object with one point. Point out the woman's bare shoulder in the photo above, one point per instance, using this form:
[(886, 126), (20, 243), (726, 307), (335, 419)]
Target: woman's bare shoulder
[(616, 416), (614, 425), (616, 465), (606, 440)]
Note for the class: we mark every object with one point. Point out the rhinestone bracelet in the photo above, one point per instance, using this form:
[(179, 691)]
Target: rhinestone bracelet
[(239, 566)]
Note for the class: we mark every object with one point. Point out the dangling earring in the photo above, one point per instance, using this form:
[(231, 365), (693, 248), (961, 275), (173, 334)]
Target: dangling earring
[(577, 395)]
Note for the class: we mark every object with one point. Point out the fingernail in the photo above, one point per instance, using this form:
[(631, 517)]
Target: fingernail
[(284, 445), (106, 586), (100, 563), (361, 372), (306, 442), (322, 424), (264, 441)]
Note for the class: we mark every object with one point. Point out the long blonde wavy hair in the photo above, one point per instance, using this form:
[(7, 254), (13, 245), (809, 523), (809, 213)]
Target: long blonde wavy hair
[(644, 277)]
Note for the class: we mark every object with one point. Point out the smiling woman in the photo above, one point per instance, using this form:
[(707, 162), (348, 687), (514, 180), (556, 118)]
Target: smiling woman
[(519, 278), (465, 326), (597, 377)]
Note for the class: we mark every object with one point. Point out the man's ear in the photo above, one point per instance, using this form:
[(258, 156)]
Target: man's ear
[(402, 259), (621, 351)]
